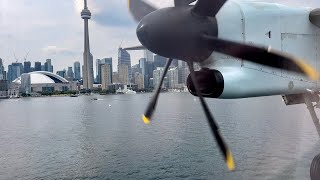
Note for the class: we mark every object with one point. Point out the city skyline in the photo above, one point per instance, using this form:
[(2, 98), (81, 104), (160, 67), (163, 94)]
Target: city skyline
[(111, 23)]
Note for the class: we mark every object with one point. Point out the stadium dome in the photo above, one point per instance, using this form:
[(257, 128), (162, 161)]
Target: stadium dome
[(42, 77)]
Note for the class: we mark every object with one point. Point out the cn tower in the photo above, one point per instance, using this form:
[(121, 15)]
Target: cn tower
[(87, 56)]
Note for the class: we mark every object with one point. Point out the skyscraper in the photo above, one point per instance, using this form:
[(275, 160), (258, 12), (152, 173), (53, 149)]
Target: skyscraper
[(159, 61), (62, 73), (139, 80), (157, 73), (142, 63), (14, 71), (70, 74), (123, 74), (26, 67), (124, 58), (148, 55), (77, 73), (48, 66), (173, 78), (106, 74), (101, 62), (37, 66), (1, 70), (87, 56)]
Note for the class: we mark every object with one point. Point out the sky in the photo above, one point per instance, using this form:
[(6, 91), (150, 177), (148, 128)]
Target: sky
[(53, 29)]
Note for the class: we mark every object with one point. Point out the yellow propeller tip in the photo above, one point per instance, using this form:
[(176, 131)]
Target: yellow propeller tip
[(230, 161), (308, 70), (145, 119)]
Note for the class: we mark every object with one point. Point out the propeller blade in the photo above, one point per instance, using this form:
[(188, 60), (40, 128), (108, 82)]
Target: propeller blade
[(139, 9), (152, 104), (208, 7), (213, 125), (261, 55), (183, 2), (135, 48)]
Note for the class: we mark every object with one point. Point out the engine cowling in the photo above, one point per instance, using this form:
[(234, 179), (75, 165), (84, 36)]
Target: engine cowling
[(210, 81)]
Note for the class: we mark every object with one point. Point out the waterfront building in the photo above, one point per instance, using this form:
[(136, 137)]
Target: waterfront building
[(106, 76), (124, 59), (123, 71), (149, 74), (142, 64), (157, 73), (139, 80), (101, 62), (2, 70), (115, 77), (136, 68), (42, 81), (77, 73), (3, 88), (87, 56), (173, 78)]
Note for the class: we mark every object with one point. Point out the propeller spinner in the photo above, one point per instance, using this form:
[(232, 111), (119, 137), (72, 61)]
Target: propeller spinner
[(190, 33)]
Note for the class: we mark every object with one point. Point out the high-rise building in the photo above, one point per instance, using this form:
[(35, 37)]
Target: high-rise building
[(98, 62), (106, 74), (37, 66), (135, 68), (101, 62), (142, 64), (183, 72), (62, 73), (70, 74), (149, 74), (14, 71), (87, 56), (123, 74), (173, 80), (1, 70), (159, 61), (77, 73), (124, 58), (26, 67), (148, 55), (157, 73), (48, 66), (115, 77), (5, 75), (139, 80), (174, 63)]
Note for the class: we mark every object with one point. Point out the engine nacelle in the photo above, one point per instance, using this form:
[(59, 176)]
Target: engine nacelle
[(210, 82), (236, 82)]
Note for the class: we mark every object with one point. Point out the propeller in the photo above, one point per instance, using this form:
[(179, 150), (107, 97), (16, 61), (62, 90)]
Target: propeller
[(152, 104), (190, 33), (213, 125)]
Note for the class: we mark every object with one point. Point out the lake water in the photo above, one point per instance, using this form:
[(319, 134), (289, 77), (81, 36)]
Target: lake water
[(78, 138)]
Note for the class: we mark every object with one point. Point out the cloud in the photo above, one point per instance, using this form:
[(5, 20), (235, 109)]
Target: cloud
[(54, 50)]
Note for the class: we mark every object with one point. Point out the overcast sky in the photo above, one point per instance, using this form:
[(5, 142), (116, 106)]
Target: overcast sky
[(54, 29)]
